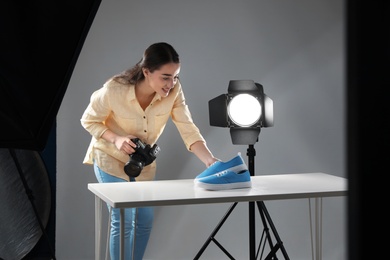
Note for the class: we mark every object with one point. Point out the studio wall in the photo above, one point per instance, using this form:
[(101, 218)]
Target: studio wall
[(294, 49)]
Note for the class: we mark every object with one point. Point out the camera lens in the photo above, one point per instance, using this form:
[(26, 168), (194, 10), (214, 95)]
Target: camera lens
[(133, 168)]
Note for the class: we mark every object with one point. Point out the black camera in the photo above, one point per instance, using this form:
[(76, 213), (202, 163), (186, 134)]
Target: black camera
[(144, 155)]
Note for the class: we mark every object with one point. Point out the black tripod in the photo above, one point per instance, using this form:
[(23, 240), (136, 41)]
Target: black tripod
[(265, 218)]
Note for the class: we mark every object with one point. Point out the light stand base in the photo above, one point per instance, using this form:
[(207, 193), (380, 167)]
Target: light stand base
[(265, 237), (266, 221)]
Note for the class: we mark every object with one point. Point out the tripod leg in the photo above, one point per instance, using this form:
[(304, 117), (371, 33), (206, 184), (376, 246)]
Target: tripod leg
[(279, 244), (215, 231), (266, 229)]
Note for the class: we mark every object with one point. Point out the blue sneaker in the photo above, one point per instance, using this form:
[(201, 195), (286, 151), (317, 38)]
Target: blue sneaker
[(226, 180), (236, 164)]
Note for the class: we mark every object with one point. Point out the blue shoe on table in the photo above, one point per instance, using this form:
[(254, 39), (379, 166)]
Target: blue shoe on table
[(236, 164), (226, 180)]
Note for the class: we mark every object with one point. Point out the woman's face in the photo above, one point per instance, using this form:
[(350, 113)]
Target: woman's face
[(163, 79)]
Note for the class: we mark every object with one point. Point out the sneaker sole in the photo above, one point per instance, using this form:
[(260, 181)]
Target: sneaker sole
[(236, 185)]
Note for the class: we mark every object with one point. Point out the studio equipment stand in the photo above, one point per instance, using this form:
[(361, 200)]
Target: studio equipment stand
[(266, 237)]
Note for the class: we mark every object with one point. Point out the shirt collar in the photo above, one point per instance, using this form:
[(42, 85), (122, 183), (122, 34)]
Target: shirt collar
[(133, 97)]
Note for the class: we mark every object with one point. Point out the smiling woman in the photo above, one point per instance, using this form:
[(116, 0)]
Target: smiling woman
[(145, 93)]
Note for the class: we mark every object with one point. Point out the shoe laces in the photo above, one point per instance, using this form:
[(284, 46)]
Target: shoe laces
[(219, 174)]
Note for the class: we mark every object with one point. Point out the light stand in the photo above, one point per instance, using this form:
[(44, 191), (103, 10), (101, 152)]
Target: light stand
[(266, 221), (245, 110)]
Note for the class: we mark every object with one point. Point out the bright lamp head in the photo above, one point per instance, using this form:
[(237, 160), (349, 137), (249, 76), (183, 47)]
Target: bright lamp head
[(245, 109)]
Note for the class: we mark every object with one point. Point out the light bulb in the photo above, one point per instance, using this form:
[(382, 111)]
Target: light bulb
[(244, 110)]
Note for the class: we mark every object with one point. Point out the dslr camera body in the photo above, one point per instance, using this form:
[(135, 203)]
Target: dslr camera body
[(144, 155)]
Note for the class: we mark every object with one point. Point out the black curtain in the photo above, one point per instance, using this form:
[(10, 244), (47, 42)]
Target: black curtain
[(368, 59)]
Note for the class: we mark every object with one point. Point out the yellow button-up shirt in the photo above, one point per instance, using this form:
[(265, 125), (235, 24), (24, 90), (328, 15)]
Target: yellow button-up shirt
[(115, 107)]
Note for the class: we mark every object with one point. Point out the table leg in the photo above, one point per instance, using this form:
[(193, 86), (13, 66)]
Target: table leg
[(122, 234), (317, 250), (318, 206), (98, 224)]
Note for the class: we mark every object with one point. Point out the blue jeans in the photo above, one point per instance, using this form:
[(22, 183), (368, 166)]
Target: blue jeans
[(138, 219)]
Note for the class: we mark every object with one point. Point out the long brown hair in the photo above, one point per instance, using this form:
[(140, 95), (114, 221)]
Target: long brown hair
[(155, 56)]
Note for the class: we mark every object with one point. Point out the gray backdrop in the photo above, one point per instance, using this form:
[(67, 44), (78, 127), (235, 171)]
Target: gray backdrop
[(293, 48)]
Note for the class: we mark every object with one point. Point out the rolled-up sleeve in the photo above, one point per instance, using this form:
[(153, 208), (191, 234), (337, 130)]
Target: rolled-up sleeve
[(181, 117)]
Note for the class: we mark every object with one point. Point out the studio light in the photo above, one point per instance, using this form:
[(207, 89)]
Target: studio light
[(245, 109)]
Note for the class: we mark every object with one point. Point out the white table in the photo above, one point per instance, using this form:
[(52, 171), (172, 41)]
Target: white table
[(182, 192)]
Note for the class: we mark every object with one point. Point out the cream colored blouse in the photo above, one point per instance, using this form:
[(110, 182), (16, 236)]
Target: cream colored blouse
[(115, 107)]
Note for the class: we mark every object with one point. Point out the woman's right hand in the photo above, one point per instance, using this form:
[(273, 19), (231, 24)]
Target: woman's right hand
[(125, 144), (122, 143)]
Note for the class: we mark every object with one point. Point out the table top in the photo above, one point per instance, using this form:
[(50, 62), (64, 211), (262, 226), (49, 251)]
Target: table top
[(184, 192)]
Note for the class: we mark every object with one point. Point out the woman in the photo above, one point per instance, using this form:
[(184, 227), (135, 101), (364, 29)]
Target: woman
[(137, 104)]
